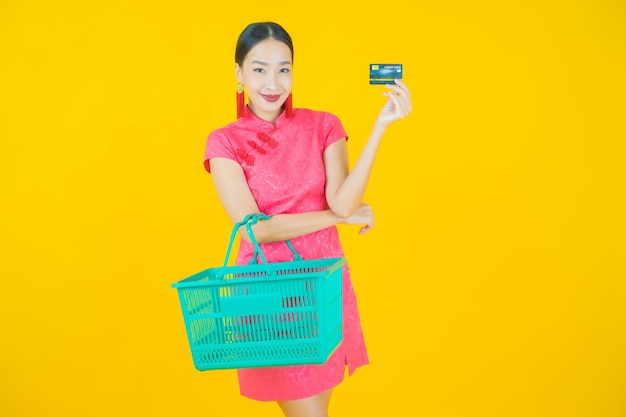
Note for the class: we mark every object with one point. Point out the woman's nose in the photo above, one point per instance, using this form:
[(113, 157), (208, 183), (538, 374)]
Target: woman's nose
[(270, 81)]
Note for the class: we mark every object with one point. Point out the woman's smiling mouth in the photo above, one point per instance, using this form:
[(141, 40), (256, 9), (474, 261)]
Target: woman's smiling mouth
[(271, 97)]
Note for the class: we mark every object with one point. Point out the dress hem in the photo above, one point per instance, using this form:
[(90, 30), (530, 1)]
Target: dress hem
[(349, 371)]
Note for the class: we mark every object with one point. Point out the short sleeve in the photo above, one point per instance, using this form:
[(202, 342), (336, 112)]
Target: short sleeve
[(218, 146), (333, 129)]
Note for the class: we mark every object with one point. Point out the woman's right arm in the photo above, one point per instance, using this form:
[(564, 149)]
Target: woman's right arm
[(238, 201)]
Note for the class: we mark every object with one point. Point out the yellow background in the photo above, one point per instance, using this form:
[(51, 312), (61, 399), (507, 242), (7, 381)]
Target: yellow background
[(492, 284)]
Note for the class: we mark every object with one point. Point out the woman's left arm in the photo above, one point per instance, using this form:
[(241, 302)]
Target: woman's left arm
[(345, 189)]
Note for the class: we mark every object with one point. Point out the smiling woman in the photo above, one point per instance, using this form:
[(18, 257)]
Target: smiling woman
[(263, 65), (266, 73), (508, 178), (292, 164)]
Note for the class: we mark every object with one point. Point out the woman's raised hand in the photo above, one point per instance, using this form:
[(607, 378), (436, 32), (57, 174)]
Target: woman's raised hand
[(398, 106)]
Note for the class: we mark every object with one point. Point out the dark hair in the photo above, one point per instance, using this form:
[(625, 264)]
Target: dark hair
[(257, 32)]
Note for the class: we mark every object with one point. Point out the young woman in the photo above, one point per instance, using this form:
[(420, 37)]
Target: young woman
[(292, 164)]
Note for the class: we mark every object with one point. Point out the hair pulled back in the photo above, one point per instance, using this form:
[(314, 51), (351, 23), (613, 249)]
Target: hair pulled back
[(257, 32)]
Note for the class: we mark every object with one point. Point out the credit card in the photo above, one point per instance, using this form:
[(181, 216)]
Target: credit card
[(385, 73)]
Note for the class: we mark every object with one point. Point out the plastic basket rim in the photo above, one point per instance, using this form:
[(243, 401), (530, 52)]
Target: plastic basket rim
[(203, 278)]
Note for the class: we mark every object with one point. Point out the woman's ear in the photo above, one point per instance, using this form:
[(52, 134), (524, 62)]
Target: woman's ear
[(238, 73)]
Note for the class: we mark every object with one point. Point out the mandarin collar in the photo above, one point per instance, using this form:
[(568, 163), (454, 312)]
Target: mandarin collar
[(281, 121)]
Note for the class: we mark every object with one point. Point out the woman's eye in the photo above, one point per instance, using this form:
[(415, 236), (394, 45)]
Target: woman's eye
[(284, 70), (258, 70)]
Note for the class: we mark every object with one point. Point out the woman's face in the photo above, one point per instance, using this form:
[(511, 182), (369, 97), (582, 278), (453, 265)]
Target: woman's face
[(266, 75)]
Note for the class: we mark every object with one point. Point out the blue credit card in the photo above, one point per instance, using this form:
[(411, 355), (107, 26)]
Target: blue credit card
[(385, 73)]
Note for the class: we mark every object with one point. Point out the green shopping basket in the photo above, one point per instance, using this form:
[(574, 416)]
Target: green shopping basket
[(263, 314)]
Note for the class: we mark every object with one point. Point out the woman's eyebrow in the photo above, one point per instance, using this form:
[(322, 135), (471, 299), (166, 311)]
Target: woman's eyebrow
[(266, 64)]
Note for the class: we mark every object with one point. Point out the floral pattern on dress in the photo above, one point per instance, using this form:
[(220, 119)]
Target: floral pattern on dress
[(284, 179)]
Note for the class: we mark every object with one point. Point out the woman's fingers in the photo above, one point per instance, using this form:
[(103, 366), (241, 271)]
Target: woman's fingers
[(364, 216), (401, 107), (401, 96)]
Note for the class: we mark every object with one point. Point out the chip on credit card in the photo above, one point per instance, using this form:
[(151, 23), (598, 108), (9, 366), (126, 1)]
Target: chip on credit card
[(385, 73)]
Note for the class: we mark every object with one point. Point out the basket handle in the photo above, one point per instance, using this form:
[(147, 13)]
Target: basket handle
[(248, 221), (257, 248)]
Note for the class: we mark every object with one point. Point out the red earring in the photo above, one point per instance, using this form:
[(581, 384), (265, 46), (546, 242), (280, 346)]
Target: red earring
[(289, 107), (240, 100)]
